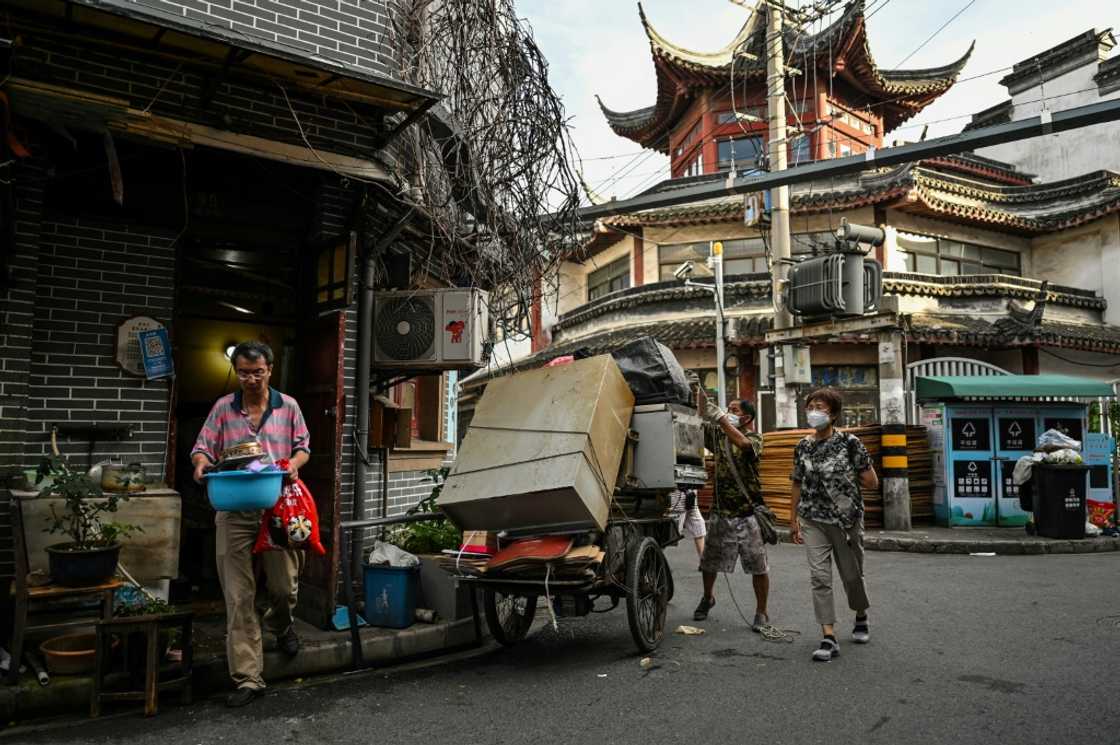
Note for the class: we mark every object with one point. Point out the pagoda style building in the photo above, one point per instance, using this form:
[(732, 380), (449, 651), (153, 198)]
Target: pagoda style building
[(710, 109)]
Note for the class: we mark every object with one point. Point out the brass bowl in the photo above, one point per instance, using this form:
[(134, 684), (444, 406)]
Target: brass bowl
[(250, 449)]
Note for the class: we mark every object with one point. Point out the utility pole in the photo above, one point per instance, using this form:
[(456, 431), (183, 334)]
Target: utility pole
[(716, 253), (785, 406)]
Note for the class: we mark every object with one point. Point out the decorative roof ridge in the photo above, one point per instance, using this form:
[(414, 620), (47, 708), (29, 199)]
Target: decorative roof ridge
[(1012, 194), (634, 119), (1002, 173), (997, 114), (755, 288), (950, 70), (999, 285), (1108, 76), (1058, 59), (1097, 337), (717, 59)]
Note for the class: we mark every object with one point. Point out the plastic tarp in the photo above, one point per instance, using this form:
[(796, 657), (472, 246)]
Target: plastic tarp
[(653, 372)]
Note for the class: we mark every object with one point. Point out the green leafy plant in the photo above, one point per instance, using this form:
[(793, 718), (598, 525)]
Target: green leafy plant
[(85, 505), (427, 537)]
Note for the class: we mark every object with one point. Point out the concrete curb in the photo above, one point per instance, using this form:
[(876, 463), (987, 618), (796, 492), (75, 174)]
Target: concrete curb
[(1009, 547), (70, 695), (959, 542)]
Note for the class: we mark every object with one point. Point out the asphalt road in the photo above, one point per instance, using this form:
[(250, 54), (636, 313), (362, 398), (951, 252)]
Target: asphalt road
[(965, 649)]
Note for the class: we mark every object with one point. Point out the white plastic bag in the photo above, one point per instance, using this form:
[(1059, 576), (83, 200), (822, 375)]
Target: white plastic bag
[(1065, 456), (1052, 439), (387, 554), (1023, 470)]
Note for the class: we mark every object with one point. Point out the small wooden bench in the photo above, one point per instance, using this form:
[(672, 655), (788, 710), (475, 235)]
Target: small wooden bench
[(151, 626)]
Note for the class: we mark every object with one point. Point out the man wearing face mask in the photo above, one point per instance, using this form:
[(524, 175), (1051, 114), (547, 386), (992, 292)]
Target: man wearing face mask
[(829, 470), (733, 533)]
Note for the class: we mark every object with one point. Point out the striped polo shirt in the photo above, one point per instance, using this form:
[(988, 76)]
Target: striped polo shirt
[(281, 432)]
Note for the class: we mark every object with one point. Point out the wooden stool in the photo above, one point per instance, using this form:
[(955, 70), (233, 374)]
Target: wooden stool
[(150, 626)]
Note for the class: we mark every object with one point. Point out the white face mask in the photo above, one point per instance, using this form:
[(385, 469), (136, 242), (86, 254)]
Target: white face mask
[(818, 419), (733, 420)]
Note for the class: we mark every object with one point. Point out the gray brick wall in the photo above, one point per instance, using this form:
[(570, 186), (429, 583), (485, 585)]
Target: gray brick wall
[(148, 83), (17, 315), (91, 276), (354, 33)]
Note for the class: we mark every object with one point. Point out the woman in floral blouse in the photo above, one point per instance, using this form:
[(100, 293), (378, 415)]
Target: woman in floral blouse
[(829, 470)]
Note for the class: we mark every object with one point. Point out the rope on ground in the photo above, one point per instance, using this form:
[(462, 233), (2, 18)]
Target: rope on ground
[(768, 632)]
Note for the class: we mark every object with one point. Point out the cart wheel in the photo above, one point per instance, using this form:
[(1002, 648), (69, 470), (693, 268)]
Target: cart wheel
[(509, 616), (648, 580)]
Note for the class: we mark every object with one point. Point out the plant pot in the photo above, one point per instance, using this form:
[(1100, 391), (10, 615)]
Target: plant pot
[(71, 654), (82, 567)]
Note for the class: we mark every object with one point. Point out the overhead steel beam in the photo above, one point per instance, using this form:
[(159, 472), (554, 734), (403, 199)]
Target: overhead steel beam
[(1023, 129)]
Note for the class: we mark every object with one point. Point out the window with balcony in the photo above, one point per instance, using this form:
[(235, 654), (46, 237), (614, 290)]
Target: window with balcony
[(613, 277), (743, 151), (928, 255)]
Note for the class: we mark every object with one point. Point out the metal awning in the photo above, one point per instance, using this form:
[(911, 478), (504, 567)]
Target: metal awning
[(990, 387), (221, 51)]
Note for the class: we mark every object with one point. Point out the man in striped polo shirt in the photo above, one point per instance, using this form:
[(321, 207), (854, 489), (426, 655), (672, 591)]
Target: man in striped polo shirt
[(255, 412)]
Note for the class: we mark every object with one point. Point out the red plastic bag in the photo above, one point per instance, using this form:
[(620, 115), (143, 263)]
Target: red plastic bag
[(1101, 514), (293, 522)]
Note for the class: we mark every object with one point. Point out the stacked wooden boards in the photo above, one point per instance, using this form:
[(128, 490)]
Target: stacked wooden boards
[(777, 464)]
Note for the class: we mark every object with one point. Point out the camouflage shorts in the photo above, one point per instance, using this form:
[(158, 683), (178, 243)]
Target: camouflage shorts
[(731, 538)]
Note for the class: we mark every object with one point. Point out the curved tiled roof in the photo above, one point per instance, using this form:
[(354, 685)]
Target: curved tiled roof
[(928, 188), (842, 48), (988, 285), (742, 291), (946, 328)]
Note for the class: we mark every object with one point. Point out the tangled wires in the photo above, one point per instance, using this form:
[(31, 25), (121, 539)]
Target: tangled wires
[(492, 162)]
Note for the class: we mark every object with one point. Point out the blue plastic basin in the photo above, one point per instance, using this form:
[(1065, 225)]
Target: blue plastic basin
[(242, 490)]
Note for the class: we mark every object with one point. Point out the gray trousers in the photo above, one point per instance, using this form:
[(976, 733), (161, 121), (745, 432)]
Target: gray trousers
[(827, 543)]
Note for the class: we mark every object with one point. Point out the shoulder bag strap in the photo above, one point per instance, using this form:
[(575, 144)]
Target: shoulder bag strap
[(735, 471)]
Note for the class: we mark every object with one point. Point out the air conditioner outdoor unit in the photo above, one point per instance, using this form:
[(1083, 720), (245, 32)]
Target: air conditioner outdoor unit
[(429, 329)]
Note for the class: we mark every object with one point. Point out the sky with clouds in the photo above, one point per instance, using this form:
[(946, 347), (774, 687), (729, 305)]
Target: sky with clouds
[(599, 47)]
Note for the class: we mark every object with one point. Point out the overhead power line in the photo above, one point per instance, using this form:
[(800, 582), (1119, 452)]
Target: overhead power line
[(935, 33)]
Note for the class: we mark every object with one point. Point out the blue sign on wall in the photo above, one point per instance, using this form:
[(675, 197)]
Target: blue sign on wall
[(155, 350)]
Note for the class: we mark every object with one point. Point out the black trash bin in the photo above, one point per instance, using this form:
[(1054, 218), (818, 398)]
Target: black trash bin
[(1059, 500)]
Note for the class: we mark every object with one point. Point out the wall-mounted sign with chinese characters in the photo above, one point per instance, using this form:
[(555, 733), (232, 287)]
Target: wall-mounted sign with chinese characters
[(128, 343)]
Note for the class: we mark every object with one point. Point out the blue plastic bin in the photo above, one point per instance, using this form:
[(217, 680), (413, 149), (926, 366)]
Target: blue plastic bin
[(391, 595)]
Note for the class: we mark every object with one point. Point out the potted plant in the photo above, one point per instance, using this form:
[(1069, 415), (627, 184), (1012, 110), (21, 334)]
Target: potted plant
[(439, 590), (90, 556)]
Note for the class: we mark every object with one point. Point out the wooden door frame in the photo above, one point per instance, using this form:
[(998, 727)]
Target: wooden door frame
[(304, 610)]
